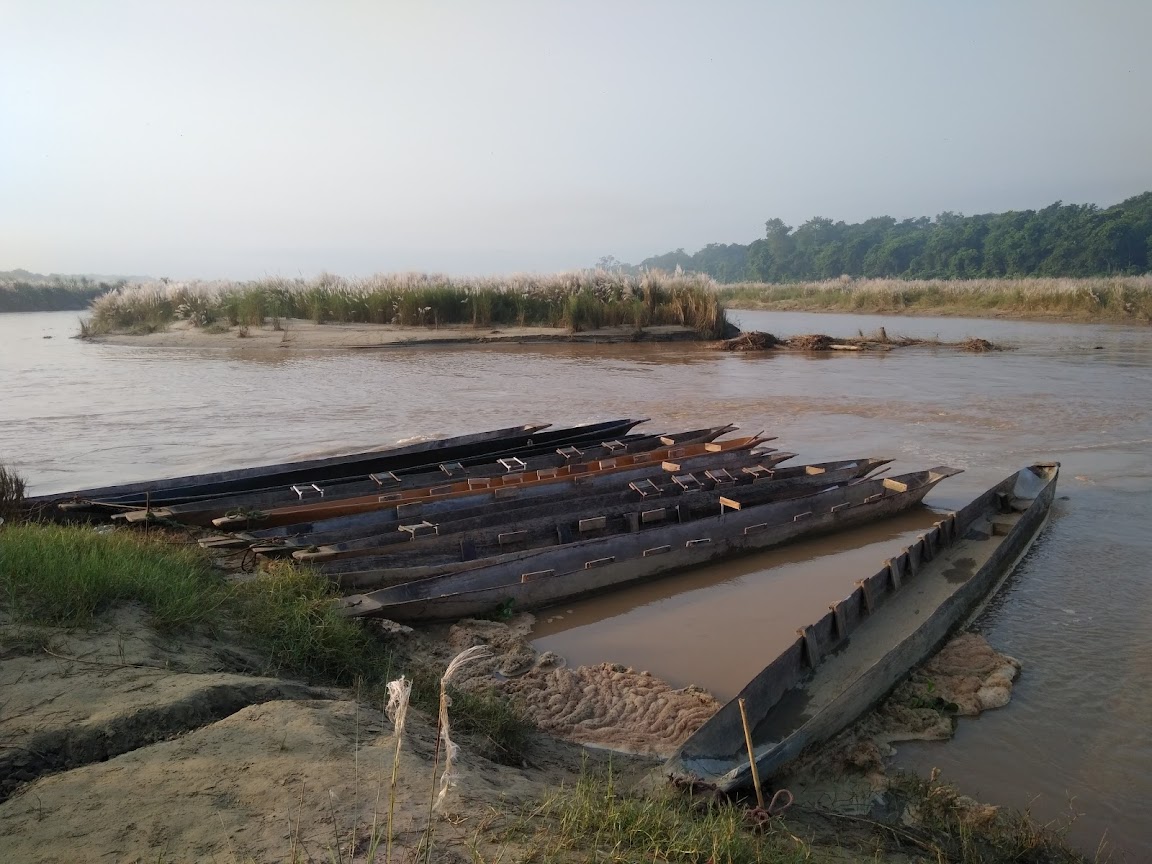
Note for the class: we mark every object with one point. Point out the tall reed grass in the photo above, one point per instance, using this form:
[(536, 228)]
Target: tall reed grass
[(1112, 298), (581, 300)]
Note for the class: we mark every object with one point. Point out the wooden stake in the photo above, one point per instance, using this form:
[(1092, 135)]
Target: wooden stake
[(751, 756)]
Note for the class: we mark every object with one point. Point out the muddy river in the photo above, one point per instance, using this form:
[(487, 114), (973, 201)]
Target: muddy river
[(1076, 737)]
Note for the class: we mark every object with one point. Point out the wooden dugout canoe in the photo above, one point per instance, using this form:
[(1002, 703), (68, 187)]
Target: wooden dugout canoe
[(893, 620), (202, 512), (541, 477), (302, 535), (177, 489), (540, 579), (566, 521)]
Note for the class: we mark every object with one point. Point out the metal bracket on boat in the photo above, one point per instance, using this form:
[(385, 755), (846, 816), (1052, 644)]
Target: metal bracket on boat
[(613, 446), (758, 473), (599, 562), (605, 464), (391, 496), (811, 646), (657, 550), (752, 529), (646, 488), (412, 508), (440, 490), (506, 492), (420, 529), (800, 516), (865, 587), (451, 468), (512, 537), (385, 478), (687, 482), (308, 489), (536, 574), (657, 515), (703, 541), (569, 453), (875, 497), (512, 463), (719, 476), (594, 523), (837, 507), (479, 483)]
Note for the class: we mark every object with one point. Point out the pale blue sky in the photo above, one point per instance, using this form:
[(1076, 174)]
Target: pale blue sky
[(243, 138)]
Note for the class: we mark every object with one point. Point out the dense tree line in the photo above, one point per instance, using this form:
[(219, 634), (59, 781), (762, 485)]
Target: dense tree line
[(1059, 240), (50, 294)]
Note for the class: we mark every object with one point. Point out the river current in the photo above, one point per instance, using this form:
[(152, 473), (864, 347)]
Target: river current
[(1076, 737)]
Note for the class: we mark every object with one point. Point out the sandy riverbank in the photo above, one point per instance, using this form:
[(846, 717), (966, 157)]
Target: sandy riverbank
[(299, 334), (129, 745)]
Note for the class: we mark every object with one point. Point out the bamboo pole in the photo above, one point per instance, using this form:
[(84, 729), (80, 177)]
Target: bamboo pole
[(751, 756)]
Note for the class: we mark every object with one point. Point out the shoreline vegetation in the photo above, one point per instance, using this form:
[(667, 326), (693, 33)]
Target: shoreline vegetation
[(1114, 299), (577, 302)]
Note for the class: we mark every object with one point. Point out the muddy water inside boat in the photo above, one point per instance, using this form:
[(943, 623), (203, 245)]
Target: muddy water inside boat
[(1078, 613)]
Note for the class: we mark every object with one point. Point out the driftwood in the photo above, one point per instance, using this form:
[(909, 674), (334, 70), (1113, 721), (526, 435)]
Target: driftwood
[(878, 341)]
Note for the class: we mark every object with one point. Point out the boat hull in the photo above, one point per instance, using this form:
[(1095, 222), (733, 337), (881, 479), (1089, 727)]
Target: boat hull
[(848, 661), (538, 580)]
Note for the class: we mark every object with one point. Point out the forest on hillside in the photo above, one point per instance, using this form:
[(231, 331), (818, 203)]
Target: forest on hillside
[(1058, 240)]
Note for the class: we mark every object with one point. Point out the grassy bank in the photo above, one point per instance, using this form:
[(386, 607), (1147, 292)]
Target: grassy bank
[(577, 301), (1116, 299), (68, 576), (50, 296)]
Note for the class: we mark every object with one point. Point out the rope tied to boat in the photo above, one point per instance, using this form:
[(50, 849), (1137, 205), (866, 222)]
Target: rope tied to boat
[(759, 817), (247, 566)]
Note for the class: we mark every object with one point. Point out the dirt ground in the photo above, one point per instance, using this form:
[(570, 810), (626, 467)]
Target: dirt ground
[(299, 334), (117, 744)]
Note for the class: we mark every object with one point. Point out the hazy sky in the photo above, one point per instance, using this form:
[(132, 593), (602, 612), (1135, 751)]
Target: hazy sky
[(241, 138)]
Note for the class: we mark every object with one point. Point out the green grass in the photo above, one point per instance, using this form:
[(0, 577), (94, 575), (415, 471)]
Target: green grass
[(65, 576), (578, 301), (12, 488), (288, 615), (1121, 298), (594, 821)]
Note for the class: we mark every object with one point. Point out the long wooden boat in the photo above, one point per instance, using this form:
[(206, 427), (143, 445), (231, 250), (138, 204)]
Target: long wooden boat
[(202, 511), (539, 579), (177, 489), (565, 521), (303, 535), (845, 663), (542, 477)]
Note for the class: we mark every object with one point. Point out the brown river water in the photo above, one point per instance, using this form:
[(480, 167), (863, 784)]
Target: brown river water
[(1077, 736)]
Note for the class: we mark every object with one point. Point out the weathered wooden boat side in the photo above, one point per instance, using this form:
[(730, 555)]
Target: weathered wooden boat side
[(571, 520), (303, 535), (202, 511), (178, 489), (226, 479), (576, 569), (543, 477), (846, 662)]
